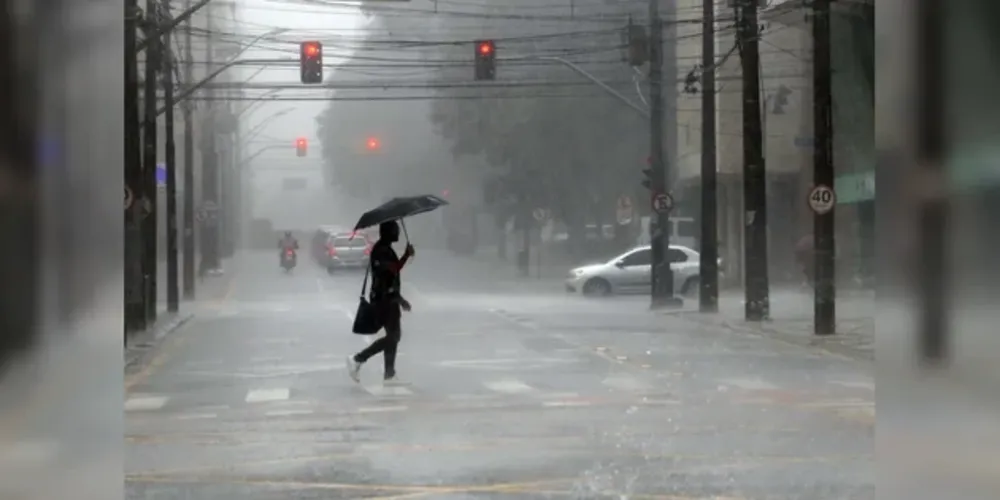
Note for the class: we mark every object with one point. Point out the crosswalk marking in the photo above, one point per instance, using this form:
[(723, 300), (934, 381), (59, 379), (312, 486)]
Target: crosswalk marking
[(750, 384), (388, 390), (625, 383), (197, 416), (510, 387), (381, 409), (288, 413), (267, 395), (145, 403)]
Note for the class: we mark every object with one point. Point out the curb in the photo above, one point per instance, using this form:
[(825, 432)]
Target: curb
[(828, 345), (147, 341)]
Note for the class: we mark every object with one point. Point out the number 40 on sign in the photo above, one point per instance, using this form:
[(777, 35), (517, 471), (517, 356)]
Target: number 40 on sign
[(822, 199)]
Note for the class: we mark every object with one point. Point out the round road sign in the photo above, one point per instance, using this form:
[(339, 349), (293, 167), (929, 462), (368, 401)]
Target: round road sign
[(128, 197), (662, 203), (822, 199)]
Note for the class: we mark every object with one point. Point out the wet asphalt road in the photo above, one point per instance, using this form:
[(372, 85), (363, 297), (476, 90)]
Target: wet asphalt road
[(512, 392)]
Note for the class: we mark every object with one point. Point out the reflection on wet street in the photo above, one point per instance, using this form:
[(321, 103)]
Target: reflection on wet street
[(510, 392)]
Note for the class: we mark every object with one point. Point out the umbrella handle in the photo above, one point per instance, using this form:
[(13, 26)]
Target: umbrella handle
[(402, 222)]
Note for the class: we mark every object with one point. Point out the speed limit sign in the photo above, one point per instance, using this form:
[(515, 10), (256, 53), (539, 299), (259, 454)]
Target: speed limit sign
[(822, 199)]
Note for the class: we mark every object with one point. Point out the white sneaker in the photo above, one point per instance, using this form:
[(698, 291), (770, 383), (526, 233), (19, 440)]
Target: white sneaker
[(353, 369)]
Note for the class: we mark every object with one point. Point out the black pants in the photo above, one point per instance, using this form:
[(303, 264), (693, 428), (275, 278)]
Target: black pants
[(391, 316)]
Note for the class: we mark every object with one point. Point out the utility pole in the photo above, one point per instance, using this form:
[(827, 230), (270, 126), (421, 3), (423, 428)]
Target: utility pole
[(209, 170), (135, 309), (187, 109), (708, 265), (150, 147), (931, 151), (757, 307), (825, 294), (662, 277), (173, 292)]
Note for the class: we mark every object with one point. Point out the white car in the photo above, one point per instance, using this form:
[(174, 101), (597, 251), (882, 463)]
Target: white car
[(630, 273)]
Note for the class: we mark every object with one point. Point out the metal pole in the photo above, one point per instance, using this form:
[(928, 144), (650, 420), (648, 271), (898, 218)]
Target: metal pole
[(708, 266), (757, 307), (173, 292), (933, 210), (825, 294), (135, 311), (189, 254), (209, 174), (662, 279), (149, 145)]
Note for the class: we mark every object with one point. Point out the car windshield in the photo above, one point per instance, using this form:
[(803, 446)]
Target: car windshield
[(347, 242)]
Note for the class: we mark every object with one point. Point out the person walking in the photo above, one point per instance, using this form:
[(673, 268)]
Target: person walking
[(386, 298)]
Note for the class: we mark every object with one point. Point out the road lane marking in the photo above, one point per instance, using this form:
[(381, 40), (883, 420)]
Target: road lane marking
[(267, 395), (381, 409), (145, 403), (288, 413), (749, 384), (510, 387), (197, 416), (565, 404)]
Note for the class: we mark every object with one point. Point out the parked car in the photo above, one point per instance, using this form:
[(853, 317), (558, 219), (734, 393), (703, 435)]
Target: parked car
[(348, 251), (630, 273)]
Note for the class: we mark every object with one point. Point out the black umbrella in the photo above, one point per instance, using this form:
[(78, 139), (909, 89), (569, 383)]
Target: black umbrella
[(399, 208)]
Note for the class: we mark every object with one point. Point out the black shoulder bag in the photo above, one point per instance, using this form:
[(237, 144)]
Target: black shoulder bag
[(366, 320)]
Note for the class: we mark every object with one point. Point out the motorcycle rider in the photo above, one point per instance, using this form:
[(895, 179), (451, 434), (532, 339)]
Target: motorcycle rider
[(288, 242)]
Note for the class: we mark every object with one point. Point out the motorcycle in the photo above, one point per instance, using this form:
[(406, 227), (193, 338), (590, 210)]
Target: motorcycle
[(288, 260)]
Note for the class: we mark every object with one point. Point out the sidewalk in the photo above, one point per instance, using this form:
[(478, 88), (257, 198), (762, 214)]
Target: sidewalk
[(792, 320), (208, 289)]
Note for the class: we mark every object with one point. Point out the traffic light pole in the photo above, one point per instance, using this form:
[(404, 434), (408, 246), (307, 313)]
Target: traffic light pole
[(149, 147), (187, 110), (708, 265), (757, 302), (825, 294), (173, 291), (662, 279), (209, 173), (135, 311)]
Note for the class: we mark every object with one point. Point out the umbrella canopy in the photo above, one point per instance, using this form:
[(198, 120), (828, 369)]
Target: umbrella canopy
[(399, 208)]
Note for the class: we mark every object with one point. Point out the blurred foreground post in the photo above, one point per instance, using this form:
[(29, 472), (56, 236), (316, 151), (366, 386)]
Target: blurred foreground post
[(757, 307), (825, 293), (209, 168), (708, 266), (931, 182)]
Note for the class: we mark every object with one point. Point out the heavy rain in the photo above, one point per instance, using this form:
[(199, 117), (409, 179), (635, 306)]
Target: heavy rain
[(462, 249)]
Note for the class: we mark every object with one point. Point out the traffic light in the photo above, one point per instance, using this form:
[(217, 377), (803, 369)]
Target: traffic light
[(647, 173), (311, 62), (372, 144), (300, 146), (486, 67)]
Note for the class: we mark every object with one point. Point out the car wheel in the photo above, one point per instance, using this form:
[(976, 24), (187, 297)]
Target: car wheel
[(598, 287), (692, 287)]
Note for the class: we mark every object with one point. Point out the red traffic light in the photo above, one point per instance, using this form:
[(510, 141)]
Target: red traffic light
[(445, 193), (486, 48), (300, 142), (372, 143), (311, 49)]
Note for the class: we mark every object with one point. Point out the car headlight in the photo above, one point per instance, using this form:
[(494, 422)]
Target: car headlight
[(576, 273)]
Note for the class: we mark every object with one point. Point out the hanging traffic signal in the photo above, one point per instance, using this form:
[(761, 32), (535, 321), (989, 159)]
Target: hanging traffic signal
[(300, 146), (485, 60), (647, 174), (372, 144), (311, 62)]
